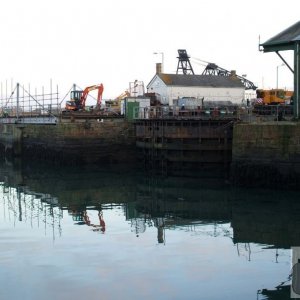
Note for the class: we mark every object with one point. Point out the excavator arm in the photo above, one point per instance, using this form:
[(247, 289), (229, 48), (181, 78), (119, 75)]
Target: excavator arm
[(78, 98), (86, 91)]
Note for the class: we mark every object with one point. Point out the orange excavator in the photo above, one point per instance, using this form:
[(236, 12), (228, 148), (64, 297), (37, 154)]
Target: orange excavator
[(96, 227), (78, 98)]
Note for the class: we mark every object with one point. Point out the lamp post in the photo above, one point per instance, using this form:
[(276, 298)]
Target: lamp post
[(277, 74), (162, 60)]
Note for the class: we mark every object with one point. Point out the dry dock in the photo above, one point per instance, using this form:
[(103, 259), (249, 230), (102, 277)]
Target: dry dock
[(256, 153)]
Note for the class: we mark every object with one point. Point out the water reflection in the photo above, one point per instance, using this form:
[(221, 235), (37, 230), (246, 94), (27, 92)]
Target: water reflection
[(255, 226), (266, 217), (36, 209)]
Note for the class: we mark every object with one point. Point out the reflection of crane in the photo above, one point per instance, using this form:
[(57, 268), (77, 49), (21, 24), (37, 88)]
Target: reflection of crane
[(78, 98), (100, 227)]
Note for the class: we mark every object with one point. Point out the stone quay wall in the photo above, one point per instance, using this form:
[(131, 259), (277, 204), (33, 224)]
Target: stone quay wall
[(90, 141), (266, 154)]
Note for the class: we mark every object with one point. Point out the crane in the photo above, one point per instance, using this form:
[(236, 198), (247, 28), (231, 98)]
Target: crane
[(215, 70), (117, 101), (78, 98), (184, 63)]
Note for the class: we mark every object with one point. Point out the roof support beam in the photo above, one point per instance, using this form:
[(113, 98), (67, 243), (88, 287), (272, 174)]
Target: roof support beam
[(296, 97), (284, 61), (289, 39)]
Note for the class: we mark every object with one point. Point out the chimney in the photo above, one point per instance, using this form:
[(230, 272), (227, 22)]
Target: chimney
[(233, 73), (158, 68)]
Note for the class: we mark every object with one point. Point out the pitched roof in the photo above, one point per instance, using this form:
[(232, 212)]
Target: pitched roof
[(284, 40), (200, 80)]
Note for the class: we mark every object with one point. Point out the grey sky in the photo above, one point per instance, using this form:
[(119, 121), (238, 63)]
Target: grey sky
[(112, 42)]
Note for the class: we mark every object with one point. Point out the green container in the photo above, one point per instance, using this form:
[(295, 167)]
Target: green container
[(131, 109)]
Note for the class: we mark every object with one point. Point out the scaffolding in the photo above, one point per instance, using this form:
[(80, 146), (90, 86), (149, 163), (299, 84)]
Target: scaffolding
[(22, 105)]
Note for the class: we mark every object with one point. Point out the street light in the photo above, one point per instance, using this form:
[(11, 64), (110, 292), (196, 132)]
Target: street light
[(162, 60), (277, 74)]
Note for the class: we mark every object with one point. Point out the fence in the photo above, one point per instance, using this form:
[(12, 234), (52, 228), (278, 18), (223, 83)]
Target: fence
[(171, 112), (262, 113), (267, 113)]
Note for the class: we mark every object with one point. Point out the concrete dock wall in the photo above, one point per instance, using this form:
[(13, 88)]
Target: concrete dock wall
[(261, 154), (266, 154), (10, 139), (91, 141)]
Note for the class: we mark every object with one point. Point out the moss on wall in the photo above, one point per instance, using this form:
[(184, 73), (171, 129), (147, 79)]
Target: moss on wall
[(266, 154), (74, 143)]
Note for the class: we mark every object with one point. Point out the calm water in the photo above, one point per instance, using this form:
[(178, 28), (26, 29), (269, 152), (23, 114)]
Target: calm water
[(77, 234)]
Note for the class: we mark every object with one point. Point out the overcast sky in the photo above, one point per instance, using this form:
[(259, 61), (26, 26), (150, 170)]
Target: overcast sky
[(112, 42)]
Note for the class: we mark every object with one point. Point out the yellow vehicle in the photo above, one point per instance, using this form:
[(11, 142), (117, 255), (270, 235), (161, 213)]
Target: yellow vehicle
[(274, 96), (117, 101)]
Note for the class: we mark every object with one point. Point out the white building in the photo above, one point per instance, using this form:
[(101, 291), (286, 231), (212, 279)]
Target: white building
[(170, 87)]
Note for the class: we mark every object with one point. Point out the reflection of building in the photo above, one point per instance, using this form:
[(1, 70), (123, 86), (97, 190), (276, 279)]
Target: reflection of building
[(267, 219), (159, 223), (255, 216), (280, 292), (168, 206), (138, 225)]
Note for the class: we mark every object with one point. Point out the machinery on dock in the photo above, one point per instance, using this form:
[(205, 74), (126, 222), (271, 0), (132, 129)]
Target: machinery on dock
[(116, 103), (274, 101), (136, 89), (78, 98), (274, 96)]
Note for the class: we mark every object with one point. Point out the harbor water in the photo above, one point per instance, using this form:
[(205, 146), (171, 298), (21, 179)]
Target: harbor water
[(110, 234)]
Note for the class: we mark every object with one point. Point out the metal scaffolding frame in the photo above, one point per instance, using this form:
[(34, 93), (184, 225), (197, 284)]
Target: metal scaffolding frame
[(24, 106)]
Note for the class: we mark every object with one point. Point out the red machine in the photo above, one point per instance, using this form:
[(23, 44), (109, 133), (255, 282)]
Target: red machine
[(78, 98), (100, 227)]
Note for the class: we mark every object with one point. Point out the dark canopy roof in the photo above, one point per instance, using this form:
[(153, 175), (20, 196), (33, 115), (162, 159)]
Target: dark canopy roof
[(284, 40), (201, 80)]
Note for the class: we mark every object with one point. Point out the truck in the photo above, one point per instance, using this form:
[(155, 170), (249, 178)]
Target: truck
[(273, 96)]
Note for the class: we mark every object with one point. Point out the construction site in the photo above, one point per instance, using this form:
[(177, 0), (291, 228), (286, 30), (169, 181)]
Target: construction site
[(180, 122)]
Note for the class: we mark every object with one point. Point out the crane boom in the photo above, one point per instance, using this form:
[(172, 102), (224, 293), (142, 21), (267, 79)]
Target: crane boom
[(213, 69), (91, 88)]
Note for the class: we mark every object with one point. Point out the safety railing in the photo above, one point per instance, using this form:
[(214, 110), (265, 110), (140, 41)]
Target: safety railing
[(261, 113), (176, 112), (267, 113)]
